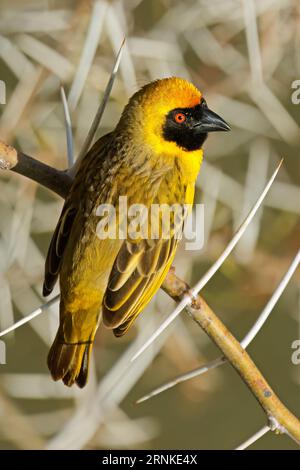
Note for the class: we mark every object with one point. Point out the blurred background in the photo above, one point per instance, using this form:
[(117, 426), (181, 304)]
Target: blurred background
[(244, 56)]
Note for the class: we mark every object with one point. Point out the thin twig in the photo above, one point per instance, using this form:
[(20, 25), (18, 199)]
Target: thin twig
[(30, 317), (214, 268), (89, 50), (68, 125), (254, 438), (55, 180), (97, 119)]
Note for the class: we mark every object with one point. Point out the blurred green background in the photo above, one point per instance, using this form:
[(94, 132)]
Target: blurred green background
[(244, 56)]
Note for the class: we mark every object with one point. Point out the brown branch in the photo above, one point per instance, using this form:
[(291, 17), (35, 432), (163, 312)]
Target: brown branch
[(281, 420), (56, 180)]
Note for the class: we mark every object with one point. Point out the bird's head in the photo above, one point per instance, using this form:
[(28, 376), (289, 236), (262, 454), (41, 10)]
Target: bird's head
[(171, 115)]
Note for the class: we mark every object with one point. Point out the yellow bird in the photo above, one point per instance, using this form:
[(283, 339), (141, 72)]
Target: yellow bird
[(152, 157)]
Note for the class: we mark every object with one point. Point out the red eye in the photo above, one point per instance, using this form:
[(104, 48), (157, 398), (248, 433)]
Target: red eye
[(180, 118)]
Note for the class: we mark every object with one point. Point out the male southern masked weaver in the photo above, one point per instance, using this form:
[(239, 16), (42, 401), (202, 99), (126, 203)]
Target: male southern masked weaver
[(153, 156)]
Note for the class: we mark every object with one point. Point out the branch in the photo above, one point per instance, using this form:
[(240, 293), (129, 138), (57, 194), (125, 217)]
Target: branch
[(56, 180), (254, 330), (280, 418)]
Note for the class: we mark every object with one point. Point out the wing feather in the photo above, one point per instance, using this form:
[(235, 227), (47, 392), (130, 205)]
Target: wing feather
[(75, 199), (57, 247), (123, 301)]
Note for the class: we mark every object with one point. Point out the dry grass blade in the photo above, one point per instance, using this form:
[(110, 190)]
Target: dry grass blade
[(253, 438), (95, 124), (46, 56), (6, 306), (68, 124), (253, 41), (244, 343), (14, 58), (209, 274), (13, 21), (19, 100), (30, 317), (89, 51)]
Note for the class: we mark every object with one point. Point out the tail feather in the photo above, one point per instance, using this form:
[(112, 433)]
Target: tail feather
[(84, 369), (69, 361)]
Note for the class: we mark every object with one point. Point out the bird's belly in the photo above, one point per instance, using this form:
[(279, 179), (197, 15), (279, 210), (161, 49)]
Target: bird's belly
[(83, 281)]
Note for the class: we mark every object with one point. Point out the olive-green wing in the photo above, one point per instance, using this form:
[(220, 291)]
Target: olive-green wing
[(137, 273), (75, 201), (57, 247)]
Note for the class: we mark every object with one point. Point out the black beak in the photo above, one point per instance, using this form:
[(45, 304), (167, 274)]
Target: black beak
[(211, 122)]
